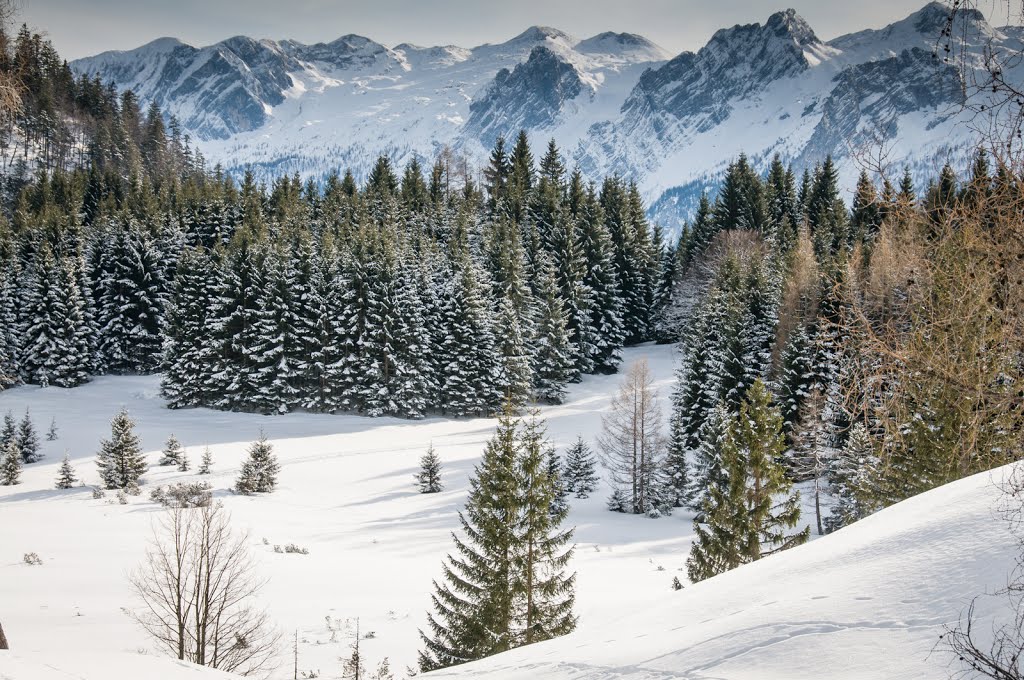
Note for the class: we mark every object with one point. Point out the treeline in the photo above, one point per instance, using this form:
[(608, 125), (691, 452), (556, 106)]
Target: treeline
[(407, 295), (874, 353)]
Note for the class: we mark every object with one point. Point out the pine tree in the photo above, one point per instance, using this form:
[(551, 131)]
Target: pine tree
[(474, 605), (554, 469), (748, 517), (505, 585), (28, 440), (173, 452), (66, 475), (207, 461), (601, 280), (580, 469), (544, 593), (553, 352), (428, 478), (515, 373), (812, 454), (120, 460), (188, 353), (708, 470), (10, 466), (259, 471), (10, 431), (850, 476), (51, 434), (184, 465)]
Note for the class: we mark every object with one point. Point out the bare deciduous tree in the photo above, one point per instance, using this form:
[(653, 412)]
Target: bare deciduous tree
[(632, 439), (197, 585)]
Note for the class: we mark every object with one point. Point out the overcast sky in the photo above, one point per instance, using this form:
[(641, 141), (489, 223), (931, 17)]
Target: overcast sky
[(84, 27)]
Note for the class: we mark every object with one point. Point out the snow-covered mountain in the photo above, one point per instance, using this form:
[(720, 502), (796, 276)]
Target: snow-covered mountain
[(614, 102)]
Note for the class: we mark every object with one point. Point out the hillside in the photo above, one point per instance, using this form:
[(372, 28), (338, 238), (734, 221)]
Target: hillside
[(614, 102), (868, 601)]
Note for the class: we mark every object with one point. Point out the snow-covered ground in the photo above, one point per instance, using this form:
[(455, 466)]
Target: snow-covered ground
[(867, 602), (346, 493)]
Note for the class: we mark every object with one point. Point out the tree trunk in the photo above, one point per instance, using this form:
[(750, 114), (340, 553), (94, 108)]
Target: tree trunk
[(3, 638)]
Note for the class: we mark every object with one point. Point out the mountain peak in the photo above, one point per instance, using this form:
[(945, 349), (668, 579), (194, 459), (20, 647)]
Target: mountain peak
[(540, 34), (788, 23), (934, 17), (622, 44)]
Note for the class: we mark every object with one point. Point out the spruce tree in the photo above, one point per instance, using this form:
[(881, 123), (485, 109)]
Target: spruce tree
[(544, 593), (850, 478), (475, 602), (66, 474), (28, 440), (505, 585), (206, 462), (120, 460), (259, 471), (51, 434), (708, 471), (184, 465), (10, 465), (428, 479), (749, 516), (9, 433), (555, 471), (173, 452), (601, 280), (553, 352), (580, 469)]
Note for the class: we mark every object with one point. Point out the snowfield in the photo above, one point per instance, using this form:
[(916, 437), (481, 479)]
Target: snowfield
[(867, 602)]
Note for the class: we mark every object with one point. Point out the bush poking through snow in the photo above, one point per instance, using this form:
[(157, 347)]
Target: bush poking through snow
[(32, 559), (291, 549), (183, 495)]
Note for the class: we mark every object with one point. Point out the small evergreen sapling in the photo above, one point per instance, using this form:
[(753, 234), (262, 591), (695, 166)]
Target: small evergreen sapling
[(28, 440), (10, 431), (259, 472), (66, 475), (51, 434), (120, 460), (207, 461), (10, 466), (429, 476), (172, 453), (580, 469), (184, 465)]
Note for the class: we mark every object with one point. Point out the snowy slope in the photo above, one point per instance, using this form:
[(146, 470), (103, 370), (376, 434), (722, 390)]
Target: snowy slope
[(60, 666), (866, 602), (614, 102)]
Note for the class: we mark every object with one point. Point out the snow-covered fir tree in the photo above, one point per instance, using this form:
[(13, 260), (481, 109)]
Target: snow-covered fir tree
[(556, 471), (120, 461), (173, 452), (580, 472), (428, 479), (259, 471), (10, 465), (184, 465), (850, 477), (66, 478), (51, 434), (28, 440), (206, 462), (553, 352)]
